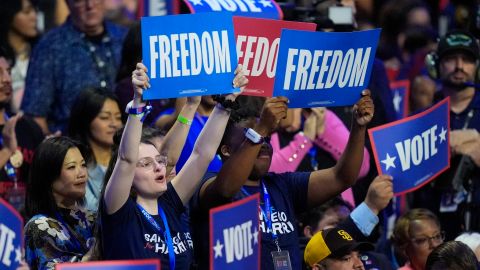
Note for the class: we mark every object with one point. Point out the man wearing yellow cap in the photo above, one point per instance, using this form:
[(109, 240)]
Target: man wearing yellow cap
[(334, 249)]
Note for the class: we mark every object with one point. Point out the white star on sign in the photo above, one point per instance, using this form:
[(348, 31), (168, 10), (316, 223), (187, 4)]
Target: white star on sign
[(443, 135), (389, 162), (397, 99), (196, 2), (255, 236), (265, 3), (218, 249), (18, 254)]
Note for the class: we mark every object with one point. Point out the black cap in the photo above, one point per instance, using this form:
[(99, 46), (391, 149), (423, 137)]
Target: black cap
[(458, 40)]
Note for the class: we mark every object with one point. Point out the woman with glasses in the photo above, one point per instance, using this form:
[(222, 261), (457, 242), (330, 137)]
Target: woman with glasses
[(416, 234), (140, 211)]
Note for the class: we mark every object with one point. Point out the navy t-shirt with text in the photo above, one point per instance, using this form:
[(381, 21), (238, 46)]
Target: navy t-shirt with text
[(128, 235), (288, 196)]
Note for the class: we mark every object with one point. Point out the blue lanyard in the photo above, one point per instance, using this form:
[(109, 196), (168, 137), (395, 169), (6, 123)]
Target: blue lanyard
[(73, 237), (313, 158), (168, 236), (267, 213)]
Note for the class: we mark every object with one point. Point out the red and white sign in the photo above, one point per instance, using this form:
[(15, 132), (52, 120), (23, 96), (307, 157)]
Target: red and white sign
[(258, 41)]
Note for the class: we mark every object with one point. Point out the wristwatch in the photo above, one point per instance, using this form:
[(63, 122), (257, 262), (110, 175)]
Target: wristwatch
[(253, 136)]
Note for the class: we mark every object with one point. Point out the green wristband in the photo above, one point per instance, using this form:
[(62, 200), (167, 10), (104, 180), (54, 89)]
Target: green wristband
[(184, 120)]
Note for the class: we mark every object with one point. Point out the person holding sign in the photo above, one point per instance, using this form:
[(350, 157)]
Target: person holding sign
[(137, 197), (59, 230), (247, 155)]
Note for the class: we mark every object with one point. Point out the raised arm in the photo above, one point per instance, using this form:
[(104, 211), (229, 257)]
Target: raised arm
[(175, 139), (118, 187), (9, 140), (235, 171), (187, 180), (324, 184)]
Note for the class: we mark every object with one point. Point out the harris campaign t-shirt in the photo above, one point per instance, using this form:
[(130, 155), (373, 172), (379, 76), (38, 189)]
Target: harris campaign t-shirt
[(288, 196), (128, 235)]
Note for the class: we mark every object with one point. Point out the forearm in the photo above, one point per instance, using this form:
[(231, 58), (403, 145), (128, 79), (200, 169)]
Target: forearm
[(206, 146), (335, 138), (166, 122), (120, 182), (42, 123), (5, 155), (289, 158), (348, 166), (175, 139)]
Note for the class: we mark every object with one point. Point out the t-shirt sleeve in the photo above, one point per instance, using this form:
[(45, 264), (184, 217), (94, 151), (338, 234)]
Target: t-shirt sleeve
[(171, 198), (122, 216), (46, 244), (297, 186), (39, 84)]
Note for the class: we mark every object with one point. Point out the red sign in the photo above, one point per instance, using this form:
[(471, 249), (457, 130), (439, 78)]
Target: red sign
[(258, 41)]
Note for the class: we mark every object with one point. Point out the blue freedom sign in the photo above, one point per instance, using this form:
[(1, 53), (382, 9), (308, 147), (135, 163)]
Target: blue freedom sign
[(413, 150), (324, 69), (189, 55), (11, 236), (267, 9), (235, 235), (401, 97), (148, 264)]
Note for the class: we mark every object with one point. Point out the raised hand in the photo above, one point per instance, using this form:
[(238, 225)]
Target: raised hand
[(273, 111), (9, 135), (364, 109), (379, 193), (310, 127), (240, 80), (320, 113), (140, 81)]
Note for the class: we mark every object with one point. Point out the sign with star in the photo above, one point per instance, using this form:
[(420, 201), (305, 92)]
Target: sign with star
[(148, 264), (401, 97), (258, 41), (267, 9), (11, 236), (413, 150), (235, 235)]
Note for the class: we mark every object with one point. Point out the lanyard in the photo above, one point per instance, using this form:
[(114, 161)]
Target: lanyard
[(313, 158), (73, 235), (167, 235), (267, 213)]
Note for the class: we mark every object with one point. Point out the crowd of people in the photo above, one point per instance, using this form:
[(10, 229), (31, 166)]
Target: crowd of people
[(100, 174)]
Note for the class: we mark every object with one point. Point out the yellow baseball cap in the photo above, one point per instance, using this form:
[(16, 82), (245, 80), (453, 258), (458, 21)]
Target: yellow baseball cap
[(334, 243)]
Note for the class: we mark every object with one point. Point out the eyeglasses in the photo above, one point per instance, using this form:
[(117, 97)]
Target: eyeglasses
[(81, 3), (148, 163), (423, 241)]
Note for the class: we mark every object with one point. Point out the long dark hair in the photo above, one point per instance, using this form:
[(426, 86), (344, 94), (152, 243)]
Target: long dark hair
[(8, 10), (131, 51), (45, 169), (85, 109)]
